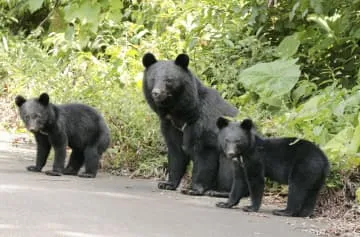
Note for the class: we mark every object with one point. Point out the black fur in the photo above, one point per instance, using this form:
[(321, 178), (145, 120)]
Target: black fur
[(187, 111), (296, 162), (77, 125)]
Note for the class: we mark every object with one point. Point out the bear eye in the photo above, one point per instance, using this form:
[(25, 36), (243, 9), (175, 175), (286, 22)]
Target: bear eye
[(27, 117)]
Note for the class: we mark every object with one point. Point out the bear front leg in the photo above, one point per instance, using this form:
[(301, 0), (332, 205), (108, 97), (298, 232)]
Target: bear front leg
[(177, 159), (43, 147), (204, 174), (238, 189), (59, 143), (256, 183)]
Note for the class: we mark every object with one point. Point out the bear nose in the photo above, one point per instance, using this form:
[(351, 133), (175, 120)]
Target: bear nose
[(230, 154), (155, 93)]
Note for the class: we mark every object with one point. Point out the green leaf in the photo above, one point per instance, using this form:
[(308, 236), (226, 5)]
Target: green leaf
[(69, 33), (116, 5), (321, 22), (293, 11), (35, 5), (271, 80), (303, 89), (340, 141), (288, 46), (355, 141), (229, 43), (88, 13), (310, 107), (317, 6), (57, 22)]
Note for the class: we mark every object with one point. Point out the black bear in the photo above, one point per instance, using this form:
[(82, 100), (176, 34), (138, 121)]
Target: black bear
[(188, 111), (78, 126), (296, 162)]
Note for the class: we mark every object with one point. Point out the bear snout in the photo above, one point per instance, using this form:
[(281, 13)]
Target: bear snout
[(33, 126), (230, 154), (32, 129), (158, 95)]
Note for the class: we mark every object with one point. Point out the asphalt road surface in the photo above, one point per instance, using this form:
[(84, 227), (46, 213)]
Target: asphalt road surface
[(33, 204)]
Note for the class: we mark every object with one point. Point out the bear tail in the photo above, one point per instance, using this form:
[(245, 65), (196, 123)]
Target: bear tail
[(103, 141)]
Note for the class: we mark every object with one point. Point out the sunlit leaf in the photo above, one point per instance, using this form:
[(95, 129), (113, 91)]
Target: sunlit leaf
[(340, 141), (355, 141), (35, 5), (288, 46), (271, 80)]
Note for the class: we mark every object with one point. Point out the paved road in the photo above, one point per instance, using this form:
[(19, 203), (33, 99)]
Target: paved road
[(34, 204)]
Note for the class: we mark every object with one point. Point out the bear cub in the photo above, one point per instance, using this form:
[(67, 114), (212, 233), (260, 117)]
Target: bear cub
[(78, 126), (296, 162)]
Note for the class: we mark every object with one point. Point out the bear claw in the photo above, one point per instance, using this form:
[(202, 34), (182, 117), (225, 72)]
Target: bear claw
[(70, 171), (249, 209), (53, 173), (224, 205), (33, 168), (282, 213), (192, 192), (87, 175), (166, 186)]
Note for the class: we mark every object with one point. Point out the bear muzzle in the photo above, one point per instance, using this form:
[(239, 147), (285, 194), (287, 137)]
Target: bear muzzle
[(33, 130), (230, 154), (159, 95)]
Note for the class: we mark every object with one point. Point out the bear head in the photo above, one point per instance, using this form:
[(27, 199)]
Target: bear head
[(165, 81), (235, 139), (34, 112)]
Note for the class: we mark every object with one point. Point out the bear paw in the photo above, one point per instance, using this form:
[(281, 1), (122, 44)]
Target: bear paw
[(224, 205), (70, 171), (250, 209), (283, 212), (87, 175), (166, 186), (192, 192), (53, 173), (33, 168), (213, 193)]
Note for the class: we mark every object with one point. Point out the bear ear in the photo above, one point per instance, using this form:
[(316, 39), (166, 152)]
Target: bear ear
[(44, 99), (148, 60), (19, 100), (182, 60), (247, 124), (222, 122)]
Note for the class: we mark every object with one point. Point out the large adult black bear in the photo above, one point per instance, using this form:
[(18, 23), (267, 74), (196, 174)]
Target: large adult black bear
[(188, 111), (296, 162), (77, 125)]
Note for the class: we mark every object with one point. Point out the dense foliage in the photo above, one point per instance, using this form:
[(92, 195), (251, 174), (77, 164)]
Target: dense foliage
[(293, 67)]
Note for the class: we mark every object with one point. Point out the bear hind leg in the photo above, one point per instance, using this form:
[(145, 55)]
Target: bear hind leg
[(310, 199), (296, 197), (92, 158), (309, 204), (75, 162)]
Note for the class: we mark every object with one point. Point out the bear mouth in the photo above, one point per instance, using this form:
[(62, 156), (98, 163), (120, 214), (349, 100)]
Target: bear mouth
[(162, 100), (33, 130)]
